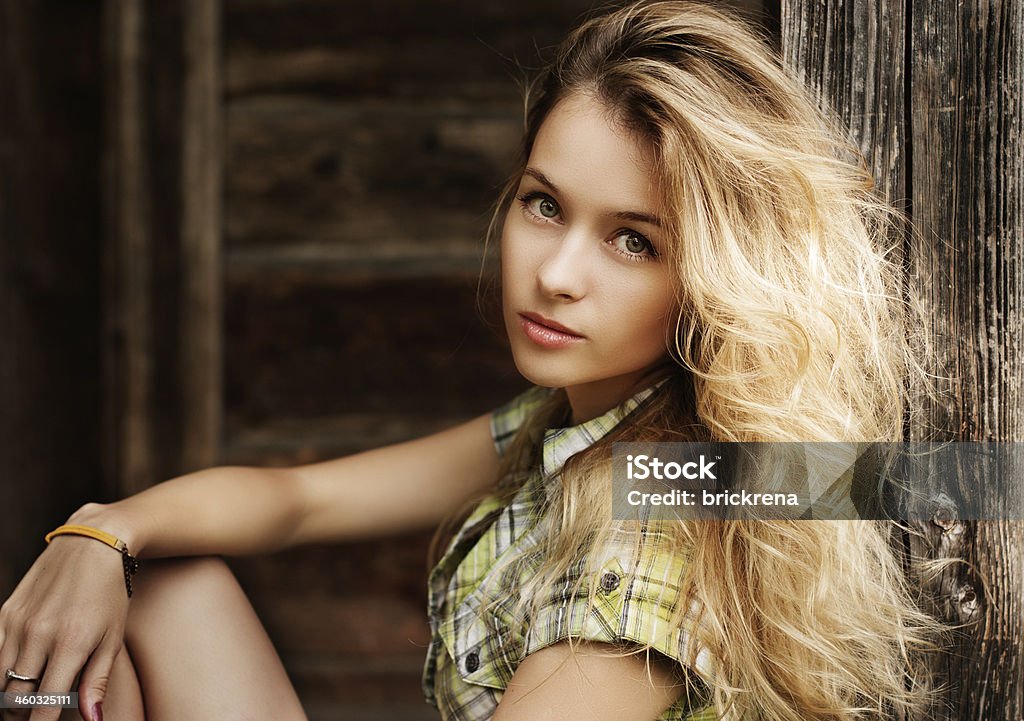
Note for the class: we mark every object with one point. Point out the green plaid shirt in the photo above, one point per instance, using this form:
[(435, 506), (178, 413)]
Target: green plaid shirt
[(473, 655)]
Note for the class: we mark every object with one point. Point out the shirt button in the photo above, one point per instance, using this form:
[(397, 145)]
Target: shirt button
[(472, 662), (609, 582)]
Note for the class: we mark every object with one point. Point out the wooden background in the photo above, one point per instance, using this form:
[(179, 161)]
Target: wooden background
[(249, 231), (934, 96)]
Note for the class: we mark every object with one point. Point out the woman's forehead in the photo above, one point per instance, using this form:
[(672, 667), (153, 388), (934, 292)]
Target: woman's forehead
[(583, 151)]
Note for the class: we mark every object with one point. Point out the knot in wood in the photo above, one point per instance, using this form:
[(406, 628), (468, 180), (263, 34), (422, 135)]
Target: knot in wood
[(966, 599)]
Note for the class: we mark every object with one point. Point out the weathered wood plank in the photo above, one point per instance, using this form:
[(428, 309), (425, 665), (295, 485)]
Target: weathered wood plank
[(968, 82), (378, 50), (388, 259), (162, 275), (128, 317), (851, 54), (370, 592), (375, 178), (960, 68), (394, 346), (200, 350), (967, 74)]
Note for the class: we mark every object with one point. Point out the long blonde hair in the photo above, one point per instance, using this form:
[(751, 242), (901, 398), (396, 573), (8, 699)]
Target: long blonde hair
[(792, 325)]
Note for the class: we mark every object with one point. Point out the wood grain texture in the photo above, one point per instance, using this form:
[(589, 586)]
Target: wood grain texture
[(127, 408), (967, 73), (162, 276), (364, 182), (200, 352), (933, 94), (851, 55), (361, 346)]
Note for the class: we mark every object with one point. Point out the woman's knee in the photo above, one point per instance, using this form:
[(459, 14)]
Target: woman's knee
[(191, 569), (175, 584)]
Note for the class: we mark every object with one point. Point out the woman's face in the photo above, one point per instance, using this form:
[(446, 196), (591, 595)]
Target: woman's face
[(586, 297)]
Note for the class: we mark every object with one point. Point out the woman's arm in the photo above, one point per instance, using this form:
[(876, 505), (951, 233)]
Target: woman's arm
[(68, 613), (404, 487), (557, 685), (238, 511)]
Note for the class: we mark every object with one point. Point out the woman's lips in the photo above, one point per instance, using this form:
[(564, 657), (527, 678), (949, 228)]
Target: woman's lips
[(545, 336)]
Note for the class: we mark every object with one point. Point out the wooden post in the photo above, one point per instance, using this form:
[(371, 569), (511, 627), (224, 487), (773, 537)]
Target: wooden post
[(200, 324), (966, 65), (126, 266), (161, 270), (933, 93), (851, 54)]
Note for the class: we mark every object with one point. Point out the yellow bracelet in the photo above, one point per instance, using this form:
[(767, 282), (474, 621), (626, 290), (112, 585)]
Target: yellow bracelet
[(112, 541), (131, 565)]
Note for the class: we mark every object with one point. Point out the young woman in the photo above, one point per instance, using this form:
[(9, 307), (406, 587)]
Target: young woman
[(688, 253)]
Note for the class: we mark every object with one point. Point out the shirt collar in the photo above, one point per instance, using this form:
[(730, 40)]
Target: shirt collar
[(561, 443)]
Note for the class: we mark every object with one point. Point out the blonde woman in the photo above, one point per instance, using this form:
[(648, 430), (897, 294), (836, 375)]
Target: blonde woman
[(687, 253)]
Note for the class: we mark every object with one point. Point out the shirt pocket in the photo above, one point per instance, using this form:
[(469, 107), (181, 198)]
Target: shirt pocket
[(481, 643)]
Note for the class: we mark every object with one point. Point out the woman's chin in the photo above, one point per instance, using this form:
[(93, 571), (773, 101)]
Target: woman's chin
[(541, 373)]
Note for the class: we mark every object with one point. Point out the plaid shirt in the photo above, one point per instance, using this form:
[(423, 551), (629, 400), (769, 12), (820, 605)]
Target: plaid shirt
[(473, 655)]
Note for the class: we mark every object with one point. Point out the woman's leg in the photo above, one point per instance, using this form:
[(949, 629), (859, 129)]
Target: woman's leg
[(198, 650)]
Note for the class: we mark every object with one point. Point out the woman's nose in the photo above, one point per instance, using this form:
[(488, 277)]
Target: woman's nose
[(562, 274)]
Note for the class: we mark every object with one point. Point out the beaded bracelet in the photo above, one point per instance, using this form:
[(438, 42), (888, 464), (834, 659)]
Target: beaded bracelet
[(131, 565)]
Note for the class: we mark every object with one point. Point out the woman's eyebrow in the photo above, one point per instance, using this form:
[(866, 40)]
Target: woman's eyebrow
[(621, 214)]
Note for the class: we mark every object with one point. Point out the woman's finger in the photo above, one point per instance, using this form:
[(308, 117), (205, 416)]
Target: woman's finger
[(92, 687), (25, 662), (8, 655), (58, 679), (8, 648), (9, 660)]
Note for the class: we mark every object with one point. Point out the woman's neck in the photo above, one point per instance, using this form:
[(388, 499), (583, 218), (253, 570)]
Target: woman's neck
[(590, 400)]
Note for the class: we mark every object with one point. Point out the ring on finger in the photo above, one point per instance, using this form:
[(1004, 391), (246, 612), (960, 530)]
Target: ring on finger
[(12, 675)]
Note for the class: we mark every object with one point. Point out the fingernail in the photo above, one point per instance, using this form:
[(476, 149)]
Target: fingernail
[(97, 712)]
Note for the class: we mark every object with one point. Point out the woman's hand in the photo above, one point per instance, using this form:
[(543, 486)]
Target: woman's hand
[(66, 616)]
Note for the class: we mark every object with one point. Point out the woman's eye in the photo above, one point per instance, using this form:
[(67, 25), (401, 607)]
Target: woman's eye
[(634, 246), (547, 208), (540, 205)]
